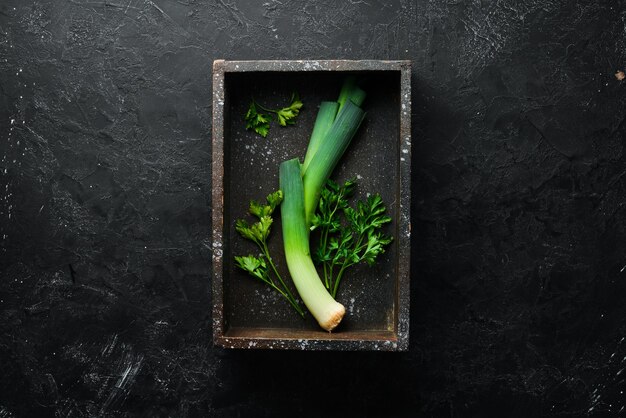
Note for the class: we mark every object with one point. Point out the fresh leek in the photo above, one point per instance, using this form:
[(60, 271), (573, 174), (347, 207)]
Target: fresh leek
[(301, 186), (328, 155), (334, 128), (350, 92), (326, 116), (320, 303), (323, 122)]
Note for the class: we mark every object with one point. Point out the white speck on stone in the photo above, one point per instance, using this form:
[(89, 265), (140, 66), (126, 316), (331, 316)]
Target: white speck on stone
[(351, 306)]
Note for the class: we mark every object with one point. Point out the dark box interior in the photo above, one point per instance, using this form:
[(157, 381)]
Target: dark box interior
[(251, 310)]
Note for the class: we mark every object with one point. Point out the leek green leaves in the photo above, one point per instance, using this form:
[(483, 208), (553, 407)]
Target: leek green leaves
[(348, 235)]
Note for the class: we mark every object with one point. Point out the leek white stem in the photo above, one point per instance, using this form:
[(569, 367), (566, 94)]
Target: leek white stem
[(320, 303)]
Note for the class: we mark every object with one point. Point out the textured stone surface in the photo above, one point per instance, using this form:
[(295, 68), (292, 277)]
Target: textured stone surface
[(519, 222)]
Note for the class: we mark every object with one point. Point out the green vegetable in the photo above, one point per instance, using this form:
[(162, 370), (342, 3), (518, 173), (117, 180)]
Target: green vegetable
[(344, 244), (327, 220), (326, 116), (286, 115), (258, 233), (328, 154), (260, 122), (350, 92), (347, 235), (323, 121), (322, 306), (335, 126)]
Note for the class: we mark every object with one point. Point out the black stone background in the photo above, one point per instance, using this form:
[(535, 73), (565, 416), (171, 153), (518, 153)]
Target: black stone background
[(519, 217)]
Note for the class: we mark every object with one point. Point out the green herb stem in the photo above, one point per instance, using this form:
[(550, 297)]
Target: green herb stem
[(356, 239), (264, 108), (258, 233), (287, 293)]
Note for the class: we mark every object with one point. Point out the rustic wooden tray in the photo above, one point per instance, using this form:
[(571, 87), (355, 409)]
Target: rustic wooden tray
[(246, 314)]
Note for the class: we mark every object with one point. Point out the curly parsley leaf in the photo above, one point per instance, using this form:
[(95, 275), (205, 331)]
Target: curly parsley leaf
[(256, 266), (263, 267), (286, 115), (350, 240), (274, 199), (259, 121)]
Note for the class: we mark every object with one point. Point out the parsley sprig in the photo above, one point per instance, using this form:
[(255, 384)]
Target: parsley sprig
[(351, 239), (258, 118), (263, 267)]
